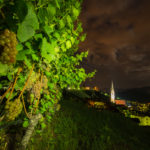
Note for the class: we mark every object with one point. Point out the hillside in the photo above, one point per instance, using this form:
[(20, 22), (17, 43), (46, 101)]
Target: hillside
[(77, 127), (136, 94)]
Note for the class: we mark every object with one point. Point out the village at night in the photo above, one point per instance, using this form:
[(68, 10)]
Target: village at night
[(74, 75)]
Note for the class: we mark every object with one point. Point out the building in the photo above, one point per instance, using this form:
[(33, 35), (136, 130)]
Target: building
[(96, 88), (112, 98), (87, 88), (120, 102), (112, 93)]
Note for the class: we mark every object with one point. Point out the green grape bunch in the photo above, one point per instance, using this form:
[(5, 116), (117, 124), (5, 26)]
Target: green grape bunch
[(8, 44), (13, 109), (32, 81), (36, 89), (44, 82)]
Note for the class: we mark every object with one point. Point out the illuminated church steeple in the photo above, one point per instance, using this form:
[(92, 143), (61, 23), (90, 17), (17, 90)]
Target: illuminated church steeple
[(112, 93)]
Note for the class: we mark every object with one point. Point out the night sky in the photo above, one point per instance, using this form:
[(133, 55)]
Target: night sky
[(118, 40)]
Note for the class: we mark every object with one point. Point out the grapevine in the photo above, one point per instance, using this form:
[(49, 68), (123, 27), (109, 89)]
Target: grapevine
[(39, 46)]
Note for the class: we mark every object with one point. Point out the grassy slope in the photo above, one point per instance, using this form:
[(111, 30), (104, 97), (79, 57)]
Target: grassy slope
[(76, 127)]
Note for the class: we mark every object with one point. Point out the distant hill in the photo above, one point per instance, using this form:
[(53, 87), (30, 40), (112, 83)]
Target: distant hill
[(137, 94)]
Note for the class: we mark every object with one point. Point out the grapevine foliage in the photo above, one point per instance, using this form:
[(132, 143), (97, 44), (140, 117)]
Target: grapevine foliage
[(41, 38)]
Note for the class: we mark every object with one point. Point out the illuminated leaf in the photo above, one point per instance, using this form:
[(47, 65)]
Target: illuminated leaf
[(69, 21), (57, 4), (61, 24), (68, 44), (21, 9), (51, 11), (42, 14), (27, 28), (49, 29), (63, 47), (35, 57), (38, 36), (19, 47), (3, 68), (43, 125), (27, 62), (22, 54), (75, 12), (56, 35), (72, 40), (83, 37), (25, 123)]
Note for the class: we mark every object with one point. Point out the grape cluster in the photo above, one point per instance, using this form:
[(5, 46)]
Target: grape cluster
[(38, 85), (32, 79), (13, 109), (8, 44), (36, 89), (44, 82), (46, 91)]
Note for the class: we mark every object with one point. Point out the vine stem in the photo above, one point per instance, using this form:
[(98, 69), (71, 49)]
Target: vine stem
[(2, 97), (39, 96), (2, 13), (26, 82), (19, 70), (34, 99), (33, 122), (25, 107)]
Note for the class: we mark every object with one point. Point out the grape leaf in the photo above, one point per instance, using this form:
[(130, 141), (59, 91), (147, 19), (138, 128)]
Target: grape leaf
[(21, 9), (22, 54), (35, 57), (25, 123), (28, 63), (68, 44), (51, 11), (42, 13), (69, 21), (27, 28), (61, 24), (75, 12), (19, 47), (38, 36), (47, 50), (43, 125), (3, 69), (49, 29), (57, 4)]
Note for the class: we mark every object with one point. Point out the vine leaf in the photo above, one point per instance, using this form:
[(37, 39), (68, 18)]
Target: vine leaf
[(75, 12), (27, 28), (61, 23), (48, 29), (68, 44), (42, 15), (51, 11), (25, 123), (47, 50), (3, 69), (21, 9), (69, 21), (35, 57), (27, 62), (19, 47), (22, 54), (57, 4)]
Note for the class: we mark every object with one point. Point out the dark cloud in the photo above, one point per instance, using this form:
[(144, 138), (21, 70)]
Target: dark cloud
[(118, 38)]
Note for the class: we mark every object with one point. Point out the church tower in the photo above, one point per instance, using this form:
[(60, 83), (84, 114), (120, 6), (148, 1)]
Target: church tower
[(112, 93)]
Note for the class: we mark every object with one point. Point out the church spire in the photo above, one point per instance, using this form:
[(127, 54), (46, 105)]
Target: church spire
[(112, 93)]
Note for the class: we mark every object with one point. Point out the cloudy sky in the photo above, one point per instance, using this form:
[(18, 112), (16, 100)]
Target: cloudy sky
[(118, 40)]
